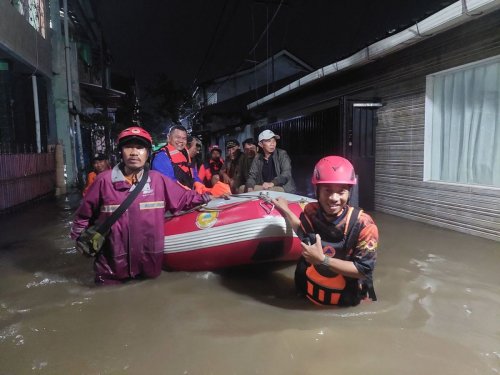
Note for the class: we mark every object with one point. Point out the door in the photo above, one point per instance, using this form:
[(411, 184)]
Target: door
[(360, 118)]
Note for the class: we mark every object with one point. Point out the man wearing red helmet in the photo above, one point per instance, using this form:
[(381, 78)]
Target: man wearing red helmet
[(134, 246), (339, 242)]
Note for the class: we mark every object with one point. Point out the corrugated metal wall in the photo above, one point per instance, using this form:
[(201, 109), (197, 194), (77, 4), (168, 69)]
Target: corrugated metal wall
[(24, 177), (399, 185)]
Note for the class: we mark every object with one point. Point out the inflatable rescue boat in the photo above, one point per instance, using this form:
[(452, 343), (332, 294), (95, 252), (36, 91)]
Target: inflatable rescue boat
[(244, 229)]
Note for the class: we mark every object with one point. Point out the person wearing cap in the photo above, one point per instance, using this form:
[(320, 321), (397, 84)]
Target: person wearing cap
[(250, 149), (271, 169), (213, 165), (230, 171), (339, 242), (173, 160), (133, 249), (100, 163)]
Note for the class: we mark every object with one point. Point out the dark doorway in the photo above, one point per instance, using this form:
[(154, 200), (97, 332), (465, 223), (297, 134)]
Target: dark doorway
[(360, 118), (307, 139)]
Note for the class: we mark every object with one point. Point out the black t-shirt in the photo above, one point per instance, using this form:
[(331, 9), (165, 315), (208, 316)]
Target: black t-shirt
[(268, 171)]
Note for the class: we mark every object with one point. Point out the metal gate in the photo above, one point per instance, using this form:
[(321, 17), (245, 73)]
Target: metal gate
[(25, 177), (307, 139), (347, 129)]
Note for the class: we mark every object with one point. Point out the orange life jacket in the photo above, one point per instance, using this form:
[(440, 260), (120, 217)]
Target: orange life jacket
[(180, 158), (325, 287), (90, 180), (181, 164)]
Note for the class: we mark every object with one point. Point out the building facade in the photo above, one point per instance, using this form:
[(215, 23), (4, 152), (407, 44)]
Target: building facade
[(419, 116), (25, 77), (53, 80), (221, 103)]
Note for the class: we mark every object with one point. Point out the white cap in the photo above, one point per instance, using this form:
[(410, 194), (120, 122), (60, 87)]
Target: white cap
[(267, 134)]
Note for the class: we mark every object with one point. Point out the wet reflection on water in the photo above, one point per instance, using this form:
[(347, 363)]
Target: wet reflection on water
[(438, 311)]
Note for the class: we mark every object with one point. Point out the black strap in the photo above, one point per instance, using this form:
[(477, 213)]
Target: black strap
[(185, 178), (106, 225), (371, 290), (351, 237)]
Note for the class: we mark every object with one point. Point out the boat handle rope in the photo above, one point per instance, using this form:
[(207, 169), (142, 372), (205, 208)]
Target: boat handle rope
[(181, 213), (266, 204), (203, 208)]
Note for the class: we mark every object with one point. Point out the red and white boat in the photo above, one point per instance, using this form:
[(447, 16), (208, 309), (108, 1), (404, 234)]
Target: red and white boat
[(245, 229)]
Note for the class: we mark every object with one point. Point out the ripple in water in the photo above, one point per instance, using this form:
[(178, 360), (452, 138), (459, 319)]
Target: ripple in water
[(46, 280)]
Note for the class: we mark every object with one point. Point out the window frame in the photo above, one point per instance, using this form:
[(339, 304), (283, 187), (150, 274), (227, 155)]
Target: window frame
[(429, 96)]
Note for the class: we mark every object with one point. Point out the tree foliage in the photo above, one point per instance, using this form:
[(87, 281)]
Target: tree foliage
[(168, 99)]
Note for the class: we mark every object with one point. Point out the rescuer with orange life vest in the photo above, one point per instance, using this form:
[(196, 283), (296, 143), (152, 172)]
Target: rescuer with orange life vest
[(174, 161), (100, 164), (212, 166), (339, 242)]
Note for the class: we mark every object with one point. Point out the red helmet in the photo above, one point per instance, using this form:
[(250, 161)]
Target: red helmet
[(334, 170), (135, 133)]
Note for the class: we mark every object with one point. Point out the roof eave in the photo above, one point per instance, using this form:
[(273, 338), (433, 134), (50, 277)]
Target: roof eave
[(455, 14)]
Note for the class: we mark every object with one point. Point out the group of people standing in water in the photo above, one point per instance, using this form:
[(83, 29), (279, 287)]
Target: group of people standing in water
[(339, 242)]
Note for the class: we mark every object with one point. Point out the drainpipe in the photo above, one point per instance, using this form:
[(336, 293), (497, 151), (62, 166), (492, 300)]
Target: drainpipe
[(37, 114), (67, 57), (60, 180), (71, 105), (79, 140)]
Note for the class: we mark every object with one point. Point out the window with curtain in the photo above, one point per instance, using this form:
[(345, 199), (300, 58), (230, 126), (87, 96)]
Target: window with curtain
[(462, 125)]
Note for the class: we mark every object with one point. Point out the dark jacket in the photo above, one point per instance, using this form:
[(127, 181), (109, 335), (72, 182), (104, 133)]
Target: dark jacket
[(283, 167), (243, 169)]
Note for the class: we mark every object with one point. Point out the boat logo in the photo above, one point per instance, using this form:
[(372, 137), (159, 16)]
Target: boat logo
[(206, 219)]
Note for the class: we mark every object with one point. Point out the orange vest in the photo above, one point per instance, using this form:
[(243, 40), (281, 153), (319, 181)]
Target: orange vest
[(323, 286), (219, 189), (181, 165), (90, 180), (178, 158)]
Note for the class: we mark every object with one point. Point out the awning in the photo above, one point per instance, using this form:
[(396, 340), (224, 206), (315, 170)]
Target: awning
[(98, 95)]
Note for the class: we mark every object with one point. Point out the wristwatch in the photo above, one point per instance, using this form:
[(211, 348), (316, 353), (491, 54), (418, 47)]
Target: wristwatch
[(326, 261)]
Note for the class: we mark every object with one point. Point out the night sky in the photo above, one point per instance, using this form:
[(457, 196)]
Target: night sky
[(197, 40)]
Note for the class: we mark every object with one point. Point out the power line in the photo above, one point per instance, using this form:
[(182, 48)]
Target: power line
[(252, 50), (267, 28), (212, 41)]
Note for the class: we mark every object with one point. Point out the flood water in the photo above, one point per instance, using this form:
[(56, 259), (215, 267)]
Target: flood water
[(438, 311)]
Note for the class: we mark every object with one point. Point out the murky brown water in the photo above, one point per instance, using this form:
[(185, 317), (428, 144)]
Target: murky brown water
[(438, 311)]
